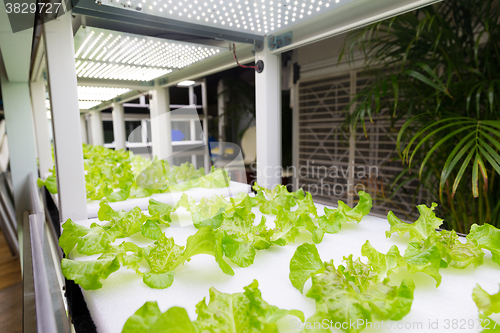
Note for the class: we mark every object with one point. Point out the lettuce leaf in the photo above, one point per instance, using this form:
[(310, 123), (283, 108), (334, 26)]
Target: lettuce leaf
[(208, 212), (352, 291), (305, 263), (456, 253), (88, 274), (421, 229), (239, 312), (277, 199), (424, 257), (88, 241), (486, 237), (345, 213), (383, 264), (50, 183), (489, 309), (161, 210)]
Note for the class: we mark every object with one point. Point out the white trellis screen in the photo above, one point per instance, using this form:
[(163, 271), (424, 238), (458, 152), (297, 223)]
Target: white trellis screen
[(333, 165)]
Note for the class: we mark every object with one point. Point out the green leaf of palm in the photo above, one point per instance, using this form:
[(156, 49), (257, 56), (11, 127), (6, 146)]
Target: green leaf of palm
[(477, 140)]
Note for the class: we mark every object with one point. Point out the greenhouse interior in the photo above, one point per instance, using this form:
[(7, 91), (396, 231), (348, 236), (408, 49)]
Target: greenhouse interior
[(240, 166)]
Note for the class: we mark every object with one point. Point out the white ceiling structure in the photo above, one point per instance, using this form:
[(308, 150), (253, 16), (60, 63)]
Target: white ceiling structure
[(255, 16), (110, 58)]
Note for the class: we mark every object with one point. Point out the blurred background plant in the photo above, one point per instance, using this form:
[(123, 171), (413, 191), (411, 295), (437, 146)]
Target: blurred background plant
[(438, 70)]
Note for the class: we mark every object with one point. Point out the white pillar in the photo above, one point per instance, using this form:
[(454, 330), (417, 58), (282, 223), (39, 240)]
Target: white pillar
[(60, 54), (119, 126), (38, 97), (268, 118), (21, 140), (83, 125), (96, 128), (161, 128), (220, 110), (206, 160), (192, 96)]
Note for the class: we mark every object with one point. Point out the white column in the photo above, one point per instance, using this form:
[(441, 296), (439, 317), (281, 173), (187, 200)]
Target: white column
[(206, 160), (60, 54), (220, 111), (268, 118), (83, 125), (21, 140), (119, 126), (192, 96), (96, 128), (38, 97), (161, 128)]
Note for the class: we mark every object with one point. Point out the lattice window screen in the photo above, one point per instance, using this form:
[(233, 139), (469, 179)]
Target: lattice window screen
[(324, 146), (321, 145)]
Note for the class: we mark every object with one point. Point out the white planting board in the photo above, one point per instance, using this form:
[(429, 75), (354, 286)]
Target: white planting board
[(123, 292)]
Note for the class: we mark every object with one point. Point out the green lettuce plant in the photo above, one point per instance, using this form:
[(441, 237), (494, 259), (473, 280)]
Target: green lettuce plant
[(242, 237), (116, 175), (228, 226), (353, 292), (162, 258), (489, 309), (225, 313), (430, 249)]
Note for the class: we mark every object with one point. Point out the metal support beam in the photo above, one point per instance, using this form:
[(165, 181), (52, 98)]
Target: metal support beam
[(161, 127), (59, 46), (268, 118), (119, 126), (38, 97), (95, 9), (83, 125), (19, 126), (96, 128)]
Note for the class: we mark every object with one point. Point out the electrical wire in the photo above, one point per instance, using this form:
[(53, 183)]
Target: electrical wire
[(236, 59)]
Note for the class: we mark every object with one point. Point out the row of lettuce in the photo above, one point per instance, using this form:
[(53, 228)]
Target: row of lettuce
[(227, 229), (117, 175)]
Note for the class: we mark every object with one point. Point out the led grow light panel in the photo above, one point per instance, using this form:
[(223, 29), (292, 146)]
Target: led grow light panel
[(86, 93), (258, 17), (106, 54)]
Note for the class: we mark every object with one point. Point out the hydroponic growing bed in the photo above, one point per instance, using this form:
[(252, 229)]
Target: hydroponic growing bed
[(446, 308), (128, 180)]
